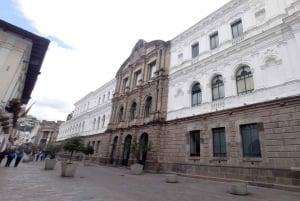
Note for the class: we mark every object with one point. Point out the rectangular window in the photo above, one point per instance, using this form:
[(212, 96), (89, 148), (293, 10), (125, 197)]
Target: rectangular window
[(219, 142), (237, 29), (151, 69), (136, 78), (195, 50), (194, 143), (250, 140), (125, 83), (214, 41), (98, 146)]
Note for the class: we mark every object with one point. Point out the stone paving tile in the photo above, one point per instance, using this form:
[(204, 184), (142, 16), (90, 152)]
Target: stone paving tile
[(30, 182)]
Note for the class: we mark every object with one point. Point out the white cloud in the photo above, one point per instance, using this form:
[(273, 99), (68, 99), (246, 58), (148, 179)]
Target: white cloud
[(101, 35)]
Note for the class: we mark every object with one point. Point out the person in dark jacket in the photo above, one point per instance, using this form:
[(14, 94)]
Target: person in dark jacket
[(10, 156), (19, 156), (2, 155)]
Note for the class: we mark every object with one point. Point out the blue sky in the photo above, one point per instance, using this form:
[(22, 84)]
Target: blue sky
[(91, 39)]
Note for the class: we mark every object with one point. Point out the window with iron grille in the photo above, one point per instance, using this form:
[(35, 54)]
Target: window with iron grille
[(195, 143), (219, 142), (244, 80), (217, 88), (196, 95), (250, 140)]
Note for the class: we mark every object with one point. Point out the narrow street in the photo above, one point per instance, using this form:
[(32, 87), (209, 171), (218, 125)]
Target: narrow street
[(30, 182)]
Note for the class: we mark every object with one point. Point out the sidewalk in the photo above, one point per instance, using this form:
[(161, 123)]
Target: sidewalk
[(30, 182)]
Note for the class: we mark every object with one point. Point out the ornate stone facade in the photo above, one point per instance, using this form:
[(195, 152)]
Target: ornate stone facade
[(140, 102)]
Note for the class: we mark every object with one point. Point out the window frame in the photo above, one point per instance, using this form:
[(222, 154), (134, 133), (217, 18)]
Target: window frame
[(217, 133), (214, 37), (136, 76), (148, 107), (240, 77), (133, 110), (195, 49), (120, 114), (238, 24), (198, 95), (151, 69), (253, 131), (219, 86), (195, 147)]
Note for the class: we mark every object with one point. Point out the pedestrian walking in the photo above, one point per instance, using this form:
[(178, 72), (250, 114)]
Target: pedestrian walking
[(20, 155), (10, 156), (2, 155), (37, 156)]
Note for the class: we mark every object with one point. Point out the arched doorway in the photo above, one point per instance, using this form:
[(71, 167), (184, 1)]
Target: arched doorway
[(113, 150), (143, 153), (126, 150)]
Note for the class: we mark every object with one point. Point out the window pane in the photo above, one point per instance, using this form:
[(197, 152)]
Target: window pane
[(195, 143), (240, 86), (219, 142), (250, 141), (249, 83), (240, 28), (215, 94), (199, 98), (221, 90), (234, 32)]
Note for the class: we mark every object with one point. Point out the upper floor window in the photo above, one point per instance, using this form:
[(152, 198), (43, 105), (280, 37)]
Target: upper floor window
[(121, 111), (196, 94), (237, 29), (250, 140), (151, 69), (244, 80), (108, 95), (217, 87), (136, 78), (98, 122), (103, 121), (133, 111), (214, 40), (125, 83), (195, 50), (148, 106)]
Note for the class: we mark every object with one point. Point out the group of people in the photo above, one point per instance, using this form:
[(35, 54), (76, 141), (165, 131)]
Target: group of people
[(10, 155)]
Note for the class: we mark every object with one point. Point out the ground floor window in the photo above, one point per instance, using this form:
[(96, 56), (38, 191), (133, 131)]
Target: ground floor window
[(219, 142), (194, 143), (250, 140)]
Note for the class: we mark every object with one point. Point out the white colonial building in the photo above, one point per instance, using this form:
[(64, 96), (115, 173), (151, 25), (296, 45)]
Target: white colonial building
[(234, 95), (244, 53), (90, 116)]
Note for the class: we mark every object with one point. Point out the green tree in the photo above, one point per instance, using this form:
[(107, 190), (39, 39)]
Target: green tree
[(73, 144)]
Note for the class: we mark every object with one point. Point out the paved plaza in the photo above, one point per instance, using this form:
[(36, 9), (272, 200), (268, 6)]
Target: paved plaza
[(30, 182)]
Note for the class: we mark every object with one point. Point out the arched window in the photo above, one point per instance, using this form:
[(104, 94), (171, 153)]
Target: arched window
[(133, 111), (103, 121), (196, 94), (244, 80), (217, 87), (148, 106), (121, 111)]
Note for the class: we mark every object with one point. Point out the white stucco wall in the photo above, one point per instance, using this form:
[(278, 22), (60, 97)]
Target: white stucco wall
[(95, 105), (269, 46)]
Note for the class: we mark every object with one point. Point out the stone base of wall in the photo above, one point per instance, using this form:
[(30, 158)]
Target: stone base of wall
[(267, 177)]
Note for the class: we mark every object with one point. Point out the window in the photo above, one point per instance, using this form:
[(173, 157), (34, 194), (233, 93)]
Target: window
[(196, 95), (250, 140), (214, 40), (98, 122), (194, 143), (237, 29), (133, 111), (148, 106), (125, 83), (94, 123), (98, 146), (219, 142), (136, 78), (103, 121), (108, 95), (151, 69), (121, 111), (217, 87), (244, 80), (195, 50)]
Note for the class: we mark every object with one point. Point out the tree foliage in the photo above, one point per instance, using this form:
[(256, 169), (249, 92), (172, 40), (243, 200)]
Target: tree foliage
[(73, 144)]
